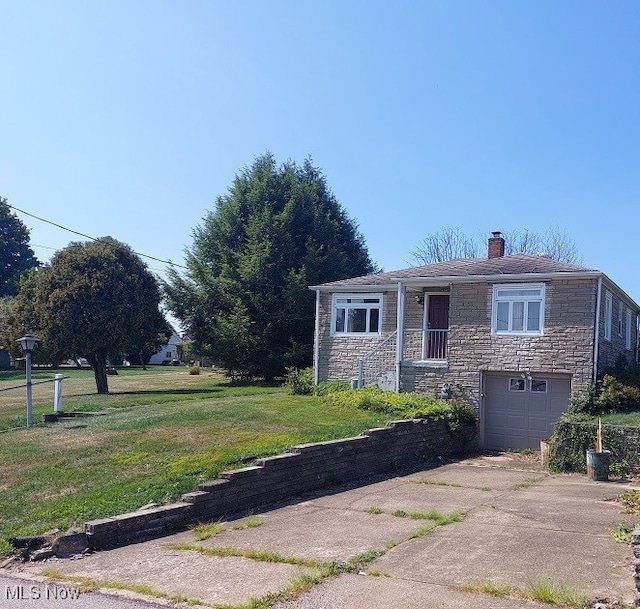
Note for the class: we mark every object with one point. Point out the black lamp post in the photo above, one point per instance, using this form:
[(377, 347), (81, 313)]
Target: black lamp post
[(28, 342)]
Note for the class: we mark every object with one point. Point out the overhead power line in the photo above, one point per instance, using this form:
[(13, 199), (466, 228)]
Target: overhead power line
[(44, 247), (75, 232)]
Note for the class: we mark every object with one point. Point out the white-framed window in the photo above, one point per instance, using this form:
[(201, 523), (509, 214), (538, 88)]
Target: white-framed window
[(627, 337), (518, 308), (356, 314), (620, 317), (608, 313)]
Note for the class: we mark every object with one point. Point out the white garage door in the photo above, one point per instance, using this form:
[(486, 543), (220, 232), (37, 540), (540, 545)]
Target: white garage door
[(519, 412)]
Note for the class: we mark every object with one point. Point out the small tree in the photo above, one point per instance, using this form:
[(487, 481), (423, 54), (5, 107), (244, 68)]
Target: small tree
[(96, 300)]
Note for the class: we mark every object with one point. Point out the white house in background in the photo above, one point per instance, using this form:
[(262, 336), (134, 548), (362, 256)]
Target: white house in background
[(169, 353)]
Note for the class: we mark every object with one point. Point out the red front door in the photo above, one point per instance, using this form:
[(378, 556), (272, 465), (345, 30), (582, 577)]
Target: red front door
[(437, 326)]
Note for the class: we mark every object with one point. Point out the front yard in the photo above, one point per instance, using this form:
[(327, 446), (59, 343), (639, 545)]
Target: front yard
[(157, 435)]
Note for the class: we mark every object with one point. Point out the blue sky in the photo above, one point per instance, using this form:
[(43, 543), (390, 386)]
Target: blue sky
[(128, 118)]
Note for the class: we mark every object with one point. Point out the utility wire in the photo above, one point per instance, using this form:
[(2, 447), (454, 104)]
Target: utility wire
[(55, 249), (44, 247), (22, 211), (75, 232)]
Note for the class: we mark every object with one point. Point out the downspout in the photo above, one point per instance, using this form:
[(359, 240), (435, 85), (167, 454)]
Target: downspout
[(316, 340), (402, 291), (596, 339)]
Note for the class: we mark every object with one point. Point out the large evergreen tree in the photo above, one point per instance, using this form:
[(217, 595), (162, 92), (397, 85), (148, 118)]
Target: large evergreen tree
[(245, 297), (95, 300), (16, 257)]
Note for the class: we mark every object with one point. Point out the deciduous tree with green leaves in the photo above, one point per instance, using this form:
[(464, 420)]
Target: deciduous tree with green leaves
[(16, 257), (96, 300), (245, 298)]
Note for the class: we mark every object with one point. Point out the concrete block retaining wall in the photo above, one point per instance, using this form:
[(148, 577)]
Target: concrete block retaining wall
[(307, 467)]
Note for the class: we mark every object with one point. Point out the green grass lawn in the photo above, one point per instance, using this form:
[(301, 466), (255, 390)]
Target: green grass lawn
[(155, 436), (621, 418)]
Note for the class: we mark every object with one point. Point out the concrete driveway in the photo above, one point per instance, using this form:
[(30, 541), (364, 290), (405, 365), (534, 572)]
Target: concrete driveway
[(444, 537)]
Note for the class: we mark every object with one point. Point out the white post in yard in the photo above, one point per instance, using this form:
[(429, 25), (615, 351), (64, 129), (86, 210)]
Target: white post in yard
[(402, 293), (57, 393)]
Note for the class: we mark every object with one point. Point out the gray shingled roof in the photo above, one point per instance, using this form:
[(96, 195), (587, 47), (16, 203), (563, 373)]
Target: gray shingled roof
[(467, 267)]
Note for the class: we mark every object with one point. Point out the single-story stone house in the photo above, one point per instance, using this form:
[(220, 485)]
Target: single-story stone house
[(516, 336)]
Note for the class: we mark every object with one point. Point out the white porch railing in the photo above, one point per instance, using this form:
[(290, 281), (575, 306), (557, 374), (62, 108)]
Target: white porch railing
[(425, 345), (378, 366)]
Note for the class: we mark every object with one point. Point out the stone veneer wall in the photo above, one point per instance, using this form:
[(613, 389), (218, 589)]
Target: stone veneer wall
[(338, 356), (611, 350), (307, 467), (566, 347)]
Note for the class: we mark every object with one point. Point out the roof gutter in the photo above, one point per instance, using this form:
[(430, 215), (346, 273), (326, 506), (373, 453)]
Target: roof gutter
[(502, 277), (628, 300), (369, 287), (447, 280)]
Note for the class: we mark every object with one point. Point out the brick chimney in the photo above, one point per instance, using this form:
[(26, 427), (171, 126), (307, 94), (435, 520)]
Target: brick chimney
[(496, 245)]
